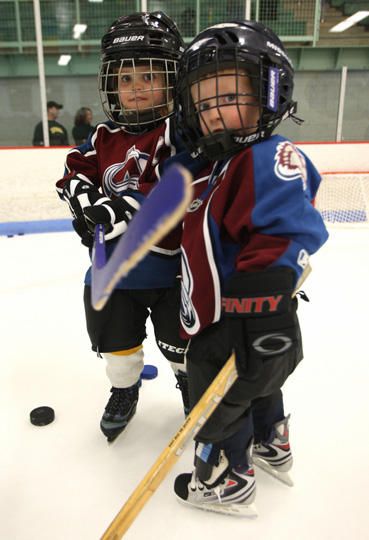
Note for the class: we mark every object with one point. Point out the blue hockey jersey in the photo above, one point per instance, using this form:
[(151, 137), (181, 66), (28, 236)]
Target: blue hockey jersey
[(249, 213)]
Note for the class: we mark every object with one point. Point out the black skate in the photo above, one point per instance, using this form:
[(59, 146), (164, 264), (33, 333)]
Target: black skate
[(182, 385), (119, 411), (228, 491)]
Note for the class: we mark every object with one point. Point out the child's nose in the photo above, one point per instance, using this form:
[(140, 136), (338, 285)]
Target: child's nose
[(214, 114), (138, 84)]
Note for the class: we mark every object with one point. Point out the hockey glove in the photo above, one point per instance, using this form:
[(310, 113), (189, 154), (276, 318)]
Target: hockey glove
[(114, 215), (79, 194), (260, 315)]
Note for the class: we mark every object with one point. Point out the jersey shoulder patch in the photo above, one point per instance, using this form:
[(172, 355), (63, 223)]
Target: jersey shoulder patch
[(289, 162)]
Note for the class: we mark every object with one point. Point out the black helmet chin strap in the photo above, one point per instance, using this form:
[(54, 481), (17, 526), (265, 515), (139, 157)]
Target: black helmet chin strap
[(291, 113)]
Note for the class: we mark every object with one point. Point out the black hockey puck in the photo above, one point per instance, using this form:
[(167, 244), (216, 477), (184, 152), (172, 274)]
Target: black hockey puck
[(42, 416)]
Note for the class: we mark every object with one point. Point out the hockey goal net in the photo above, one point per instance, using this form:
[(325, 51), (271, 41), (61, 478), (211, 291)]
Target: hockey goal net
[(343, 198)]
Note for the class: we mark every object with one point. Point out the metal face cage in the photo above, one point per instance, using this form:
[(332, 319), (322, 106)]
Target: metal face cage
[(137, 93), (223, 98), (233, 86)]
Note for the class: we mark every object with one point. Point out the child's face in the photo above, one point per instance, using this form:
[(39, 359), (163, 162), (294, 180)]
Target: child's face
[(141, 88), (226, 101)]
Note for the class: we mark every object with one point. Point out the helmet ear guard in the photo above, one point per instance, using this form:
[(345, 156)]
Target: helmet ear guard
[(246, 47)]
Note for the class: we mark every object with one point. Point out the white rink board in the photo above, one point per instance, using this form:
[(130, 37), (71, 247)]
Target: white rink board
[(28, 176), (338, 157), (27, 186)]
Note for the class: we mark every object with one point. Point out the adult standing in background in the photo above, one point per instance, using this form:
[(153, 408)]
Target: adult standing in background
[(82, 125), (58, 135)]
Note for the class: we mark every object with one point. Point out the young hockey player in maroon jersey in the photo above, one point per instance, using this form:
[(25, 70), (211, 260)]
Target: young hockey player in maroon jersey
[(105, 182), (246, 240)]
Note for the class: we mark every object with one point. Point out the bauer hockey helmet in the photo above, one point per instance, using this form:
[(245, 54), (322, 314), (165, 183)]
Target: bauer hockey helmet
[(132, 44), (244, 49)]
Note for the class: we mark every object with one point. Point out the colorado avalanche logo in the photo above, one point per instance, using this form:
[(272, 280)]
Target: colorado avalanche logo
[(290, 163), (188, 315), (125, 175)]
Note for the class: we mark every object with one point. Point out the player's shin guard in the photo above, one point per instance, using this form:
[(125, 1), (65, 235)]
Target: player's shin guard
[(218, 488), (123, 369), (274, 455)]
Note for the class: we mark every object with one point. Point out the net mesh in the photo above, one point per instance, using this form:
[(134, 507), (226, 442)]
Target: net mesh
[(343, 198)]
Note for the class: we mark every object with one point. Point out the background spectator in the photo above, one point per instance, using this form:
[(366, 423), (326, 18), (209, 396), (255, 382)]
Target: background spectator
[(82, 125), (58, 135)]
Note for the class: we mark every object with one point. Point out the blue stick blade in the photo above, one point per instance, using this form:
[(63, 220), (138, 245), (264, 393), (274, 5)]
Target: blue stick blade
[(161, 211), (98, 252)]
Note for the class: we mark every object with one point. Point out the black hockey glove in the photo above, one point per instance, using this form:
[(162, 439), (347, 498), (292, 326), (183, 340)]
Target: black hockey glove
[(114, 215), (80, 194), (259, 311)]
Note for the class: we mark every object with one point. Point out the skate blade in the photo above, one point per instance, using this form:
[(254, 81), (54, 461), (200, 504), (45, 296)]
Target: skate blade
[(112, 437), (283, 477), (237, 510)]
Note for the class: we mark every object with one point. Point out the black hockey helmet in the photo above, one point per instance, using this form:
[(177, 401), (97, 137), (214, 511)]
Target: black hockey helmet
[(249, 49), (150, 39)]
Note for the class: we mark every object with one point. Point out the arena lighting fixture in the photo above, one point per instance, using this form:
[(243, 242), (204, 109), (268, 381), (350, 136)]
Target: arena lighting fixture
[(350, 21), (96, 1), (64, 59), (78, 30)]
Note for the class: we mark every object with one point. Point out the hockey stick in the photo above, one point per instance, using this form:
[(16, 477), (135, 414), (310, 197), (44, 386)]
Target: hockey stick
[(193, 423), (160, 212)]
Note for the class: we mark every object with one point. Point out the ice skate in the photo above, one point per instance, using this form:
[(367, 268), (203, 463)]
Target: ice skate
[(119, 410), (228, 491), (182, 385), (274, 456)]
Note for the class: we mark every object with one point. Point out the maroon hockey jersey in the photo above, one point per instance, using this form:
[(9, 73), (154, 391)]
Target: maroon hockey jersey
[(116, 161)]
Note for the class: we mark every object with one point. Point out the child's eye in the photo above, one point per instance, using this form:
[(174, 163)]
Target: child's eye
[(230, 98), (203, 106), (125, 79), (148, 77)]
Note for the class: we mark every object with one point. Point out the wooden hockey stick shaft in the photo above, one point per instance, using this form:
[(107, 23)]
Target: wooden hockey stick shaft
[(193, 423)]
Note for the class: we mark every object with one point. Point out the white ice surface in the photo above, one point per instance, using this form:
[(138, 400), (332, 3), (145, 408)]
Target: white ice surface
[(64, 482)]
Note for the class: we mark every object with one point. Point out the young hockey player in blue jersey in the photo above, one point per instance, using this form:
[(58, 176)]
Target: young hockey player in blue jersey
[(246, 241), (105, 182)]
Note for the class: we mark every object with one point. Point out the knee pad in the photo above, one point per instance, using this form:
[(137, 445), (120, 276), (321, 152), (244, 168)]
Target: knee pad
[(124, 368)]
